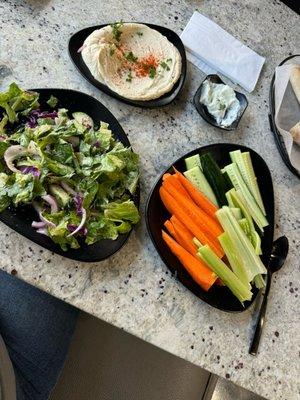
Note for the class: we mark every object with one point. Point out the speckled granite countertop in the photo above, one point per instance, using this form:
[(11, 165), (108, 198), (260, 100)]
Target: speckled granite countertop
[(133, 290)]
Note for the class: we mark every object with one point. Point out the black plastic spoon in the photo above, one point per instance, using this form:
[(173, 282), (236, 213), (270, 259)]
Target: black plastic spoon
[(279, 253)]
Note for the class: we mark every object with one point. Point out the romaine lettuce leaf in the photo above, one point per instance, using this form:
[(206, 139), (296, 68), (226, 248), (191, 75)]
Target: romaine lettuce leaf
[(122, 211)]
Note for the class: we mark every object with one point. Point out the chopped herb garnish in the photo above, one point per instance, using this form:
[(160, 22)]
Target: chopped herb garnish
[(139, 33), (165, 66), (129, 77), (131, 57), (112, 51), (152, 72), (116, 30), (169, 60)]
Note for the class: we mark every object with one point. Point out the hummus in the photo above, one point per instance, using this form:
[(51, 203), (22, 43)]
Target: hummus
[(133, 60)]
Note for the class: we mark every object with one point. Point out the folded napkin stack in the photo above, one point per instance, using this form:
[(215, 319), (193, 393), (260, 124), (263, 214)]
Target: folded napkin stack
[(213, 50)]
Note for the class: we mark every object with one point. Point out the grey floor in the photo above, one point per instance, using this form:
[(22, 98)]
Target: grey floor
[(225, 390), (105, 363)]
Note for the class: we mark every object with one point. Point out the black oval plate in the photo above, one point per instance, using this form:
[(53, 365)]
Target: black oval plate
[(20, 218), (156, 214), (76, 41), (202, 110)]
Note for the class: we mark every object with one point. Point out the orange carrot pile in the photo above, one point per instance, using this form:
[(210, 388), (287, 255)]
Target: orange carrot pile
[(195, 267), (192, 216)]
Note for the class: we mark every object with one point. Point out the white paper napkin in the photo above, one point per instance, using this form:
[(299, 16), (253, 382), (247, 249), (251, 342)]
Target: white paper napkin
[(211, 48)]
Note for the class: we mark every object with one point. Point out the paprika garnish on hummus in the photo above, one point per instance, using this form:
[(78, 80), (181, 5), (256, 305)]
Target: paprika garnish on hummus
[(133, 60)]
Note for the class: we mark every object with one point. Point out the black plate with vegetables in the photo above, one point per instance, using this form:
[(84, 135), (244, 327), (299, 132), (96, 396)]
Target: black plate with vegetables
[(75, 46), (68, 178), (236, 220)]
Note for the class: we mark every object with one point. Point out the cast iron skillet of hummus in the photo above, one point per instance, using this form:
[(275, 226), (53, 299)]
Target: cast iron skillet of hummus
[(140, 64)]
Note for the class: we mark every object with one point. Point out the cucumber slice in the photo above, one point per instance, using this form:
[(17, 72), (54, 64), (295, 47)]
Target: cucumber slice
[(253, 181), (244, 163), (193, 161), (197, 178), (244, 225), (219, 183), (239, 184)]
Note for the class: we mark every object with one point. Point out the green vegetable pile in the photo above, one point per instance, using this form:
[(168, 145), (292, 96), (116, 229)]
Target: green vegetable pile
[(79, 179)]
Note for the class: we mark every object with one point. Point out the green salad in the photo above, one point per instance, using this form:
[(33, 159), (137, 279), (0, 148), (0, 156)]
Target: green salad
[(76, 175)]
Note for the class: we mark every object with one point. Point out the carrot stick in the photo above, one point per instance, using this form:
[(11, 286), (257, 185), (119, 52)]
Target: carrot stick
[(187, 221), (175, 220), (175, 182), (165, 176), (198, 270), (199, 198), (185, 237), (169, 226), (200, 217)]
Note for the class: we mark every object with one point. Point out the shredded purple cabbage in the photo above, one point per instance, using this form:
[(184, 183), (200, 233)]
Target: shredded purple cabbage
[(31, 170), (78, 200), (97, 144), (83, 231), (35, 114)]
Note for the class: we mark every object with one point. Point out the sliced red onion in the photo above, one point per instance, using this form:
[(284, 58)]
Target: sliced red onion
[(31, 170), (80, 49), (43, 231), (47, 222), (11, 153), (38, 224), (42, 218), (81, 225), (35, 114), (17, 151), (68, 188), (73, 228), (78, 200), (52, 202)]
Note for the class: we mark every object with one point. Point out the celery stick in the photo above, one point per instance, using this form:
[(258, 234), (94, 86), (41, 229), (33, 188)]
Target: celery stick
[(234, 259), (224, 272), (229, 198), (236, 212), (259, 282), (244, 163), (238, 200), (197, 242), (252, 263), (239, 184), (256, 241)]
